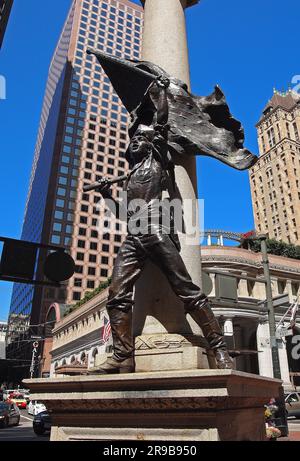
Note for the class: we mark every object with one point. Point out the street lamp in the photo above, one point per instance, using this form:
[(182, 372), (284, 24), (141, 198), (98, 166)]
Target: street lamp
[(271, 313), (272, 328)]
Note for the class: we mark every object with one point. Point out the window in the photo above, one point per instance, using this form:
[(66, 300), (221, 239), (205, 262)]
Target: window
[(64, 169), (63, 181), (67, 149), (58, 215), (281, 286), (83, 220), (61, 191), (57, 227), (60, 203), (76, 296)]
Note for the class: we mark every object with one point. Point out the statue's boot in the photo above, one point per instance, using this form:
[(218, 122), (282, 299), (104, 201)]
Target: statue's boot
[(122, 360), (205, 318)]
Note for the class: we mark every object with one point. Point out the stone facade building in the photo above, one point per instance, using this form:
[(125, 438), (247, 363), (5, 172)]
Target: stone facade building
[(77, 339), (275, 179), (245, 319)]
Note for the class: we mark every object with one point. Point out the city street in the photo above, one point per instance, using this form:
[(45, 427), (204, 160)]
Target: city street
[(23, 432)]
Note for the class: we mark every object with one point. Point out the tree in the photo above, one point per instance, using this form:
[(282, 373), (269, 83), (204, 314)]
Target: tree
[(274, 247)]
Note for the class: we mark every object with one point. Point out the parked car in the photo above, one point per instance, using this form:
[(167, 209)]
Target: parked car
[(18, 399), (34, 408), (292, 404), (7, 393), (9, 414), (25, 393), (42, 423)]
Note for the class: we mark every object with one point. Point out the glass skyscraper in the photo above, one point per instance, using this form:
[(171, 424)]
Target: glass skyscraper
[(82, 137)]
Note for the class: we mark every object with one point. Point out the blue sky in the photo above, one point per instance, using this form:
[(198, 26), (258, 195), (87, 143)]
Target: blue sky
[(247, 47)]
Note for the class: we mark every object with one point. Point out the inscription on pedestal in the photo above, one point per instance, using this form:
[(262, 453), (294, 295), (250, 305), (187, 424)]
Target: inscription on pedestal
[(160, 352)]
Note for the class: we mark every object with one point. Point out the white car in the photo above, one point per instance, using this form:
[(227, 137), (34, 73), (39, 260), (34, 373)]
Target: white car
[(34, 408)]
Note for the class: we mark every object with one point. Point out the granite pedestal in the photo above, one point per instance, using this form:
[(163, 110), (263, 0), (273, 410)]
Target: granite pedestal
[(189, 405)]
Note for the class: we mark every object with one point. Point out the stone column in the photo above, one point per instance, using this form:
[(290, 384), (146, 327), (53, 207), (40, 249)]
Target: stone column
[(275, 286), (228, 327), (264, 350), (159, 320), (165, 44), (243, 287), (258, 290), (164, 40), (284, 364), (289, 290)]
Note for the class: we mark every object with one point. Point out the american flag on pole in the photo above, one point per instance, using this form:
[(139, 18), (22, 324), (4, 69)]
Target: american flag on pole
[(106, 330)]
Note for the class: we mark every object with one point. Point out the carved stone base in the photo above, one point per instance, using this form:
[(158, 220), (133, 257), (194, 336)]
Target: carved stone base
[(79, 434), (184, 405), (163, 352)]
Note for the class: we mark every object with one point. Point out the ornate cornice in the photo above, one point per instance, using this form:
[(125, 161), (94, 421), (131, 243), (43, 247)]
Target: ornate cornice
[(248, 262)]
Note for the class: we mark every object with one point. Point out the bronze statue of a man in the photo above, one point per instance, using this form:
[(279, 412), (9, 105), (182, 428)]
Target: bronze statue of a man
[(167, 121), (151, 174)]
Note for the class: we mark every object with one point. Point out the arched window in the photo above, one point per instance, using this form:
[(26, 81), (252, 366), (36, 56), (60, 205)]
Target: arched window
[(73, 359), (94, 356)]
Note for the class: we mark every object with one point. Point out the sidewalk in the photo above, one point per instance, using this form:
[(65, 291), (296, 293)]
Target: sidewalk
[(293, 437), (294, 432)]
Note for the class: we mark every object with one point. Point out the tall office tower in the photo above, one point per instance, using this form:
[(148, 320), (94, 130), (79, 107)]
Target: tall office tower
[(5, 9), (275, 179), (82, 137)]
